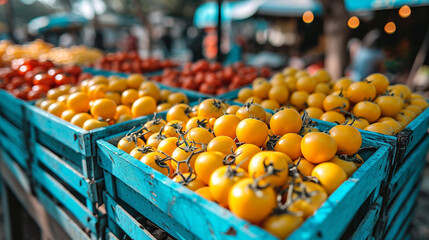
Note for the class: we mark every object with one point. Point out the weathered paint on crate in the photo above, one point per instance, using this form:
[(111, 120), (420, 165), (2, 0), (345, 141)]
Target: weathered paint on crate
[(81, 201), (162, 201), (75, 144), (405, 183), (12, 108)]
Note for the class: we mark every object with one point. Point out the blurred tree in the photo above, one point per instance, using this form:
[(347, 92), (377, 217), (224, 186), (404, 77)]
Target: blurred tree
[(336, 34)]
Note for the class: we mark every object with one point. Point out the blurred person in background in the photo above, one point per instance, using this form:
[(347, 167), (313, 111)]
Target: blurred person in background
[(129, 43), (195, 43), (368, 58)]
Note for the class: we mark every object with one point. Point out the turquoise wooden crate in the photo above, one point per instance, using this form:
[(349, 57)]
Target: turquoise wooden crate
[(74, 144), (12, 109), (134, 187), (405, 188), (12, 143), (74, 197), (15, 168)]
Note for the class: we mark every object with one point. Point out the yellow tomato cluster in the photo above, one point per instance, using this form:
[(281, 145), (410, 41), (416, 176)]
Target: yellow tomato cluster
[(42, 50), (242, 157), (101, 101), (372, 104)]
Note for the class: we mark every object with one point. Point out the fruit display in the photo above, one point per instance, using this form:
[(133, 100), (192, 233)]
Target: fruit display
[(131, 62), (44, 51), (30, 79), (273, 170), (99, 101), (211, 78), (371, 104)]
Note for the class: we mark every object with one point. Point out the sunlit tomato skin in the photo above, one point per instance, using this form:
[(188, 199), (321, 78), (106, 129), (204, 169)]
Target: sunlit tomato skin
[(304, 166), (226, 125), (318, 147), (206, 163), (342, 84), (334, 117), (210, 108), (348, 166), (348, 139), (143, 106), (153, 160), (205, 193), (91, 124), (335, 103), (381, 128), (286, 121), (199, 136), (278, 160), (43, 79), (252, 131), (290, 144), (361, 91), (330, 175), (282, 225), (244, 154), (179, 112), (249, 204), (221, 182), (128, 143), (104, 108), (78, 102), (380, 82), (368, 110), (223, 144), (316, 197), (251, 110), (182, 155)]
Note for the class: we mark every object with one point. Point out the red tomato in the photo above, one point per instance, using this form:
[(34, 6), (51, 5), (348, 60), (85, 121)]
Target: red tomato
[(265, 72), (228, 74), (40, 88), (84, 76), (17, 92), (207, 89), (61, 79), (212, 80), (43, 79), (73, 70), (222, 90), (215, 66), (46, 64), (54, 71), (33, 95), (189, 83)]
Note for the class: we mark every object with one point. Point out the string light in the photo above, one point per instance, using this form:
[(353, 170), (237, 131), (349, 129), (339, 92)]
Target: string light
[(405, 11), (353, 22), (390, 27), (308, 17)]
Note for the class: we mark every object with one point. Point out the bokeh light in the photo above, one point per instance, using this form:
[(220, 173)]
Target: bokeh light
[(390, 27), (308, 17), (405, 11), (353, 22)]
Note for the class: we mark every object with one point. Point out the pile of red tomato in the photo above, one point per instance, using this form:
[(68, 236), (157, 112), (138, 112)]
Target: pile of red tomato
[(30, 79), (132, 63), (211, 78)]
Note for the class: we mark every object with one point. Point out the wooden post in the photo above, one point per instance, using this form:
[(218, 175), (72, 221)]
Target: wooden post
[(10, 19), (219, 31), (336, 33)]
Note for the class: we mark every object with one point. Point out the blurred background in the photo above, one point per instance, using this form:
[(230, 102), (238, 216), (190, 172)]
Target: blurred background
[(352, 38), (347, 37)]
